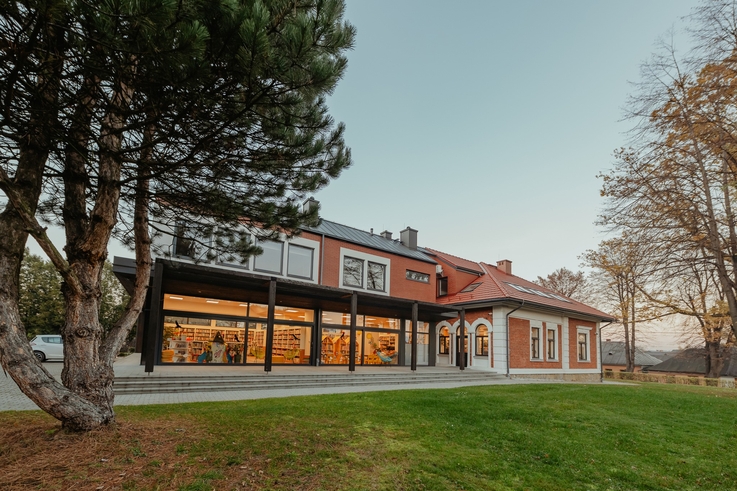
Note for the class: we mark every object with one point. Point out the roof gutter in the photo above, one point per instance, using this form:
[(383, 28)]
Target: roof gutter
[(507, 324)]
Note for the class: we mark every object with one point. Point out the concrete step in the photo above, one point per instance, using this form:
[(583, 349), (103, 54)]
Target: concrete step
[(144, 385)]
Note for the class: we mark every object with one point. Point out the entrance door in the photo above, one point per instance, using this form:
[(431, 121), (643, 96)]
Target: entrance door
[(458, 350)]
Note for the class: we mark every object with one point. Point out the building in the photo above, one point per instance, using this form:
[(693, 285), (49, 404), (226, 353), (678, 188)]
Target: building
[(336, 295), (613, 357), (691, 362)]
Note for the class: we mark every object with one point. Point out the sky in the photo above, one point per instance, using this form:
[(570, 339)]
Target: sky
[(483, 124)]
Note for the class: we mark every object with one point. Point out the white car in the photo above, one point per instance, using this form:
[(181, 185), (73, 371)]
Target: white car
[(48, 347)]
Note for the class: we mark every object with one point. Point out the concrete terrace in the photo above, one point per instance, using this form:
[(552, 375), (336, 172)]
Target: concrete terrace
[(179, 384)]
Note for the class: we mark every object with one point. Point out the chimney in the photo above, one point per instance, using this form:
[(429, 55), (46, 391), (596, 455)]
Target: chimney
[(310, 204), (408, 238), (386, 234), (505, 265)]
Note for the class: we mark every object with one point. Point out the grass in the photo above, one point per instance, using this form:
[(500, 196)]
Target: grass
[(536, 437)]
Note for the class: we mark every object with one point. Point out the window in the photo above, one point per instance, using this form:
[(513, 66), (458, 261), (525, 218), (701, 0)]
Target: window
[(442, 287), (535, 343), (185, 244), (470, 287), (444, 342), (482, 341), (299, 261), (583, 346), (352, 271), (376, 276), (417, 276), (270, 261), (552, 345)]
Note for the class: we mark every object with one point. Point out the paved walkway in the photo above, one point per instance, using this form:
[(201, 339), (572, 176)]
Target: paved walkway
[(12, 399)]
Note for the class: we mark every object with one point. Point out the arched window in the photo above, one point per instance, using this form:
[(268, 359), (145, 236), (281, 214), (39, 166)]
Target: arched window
[(444, 342), (482, 341)]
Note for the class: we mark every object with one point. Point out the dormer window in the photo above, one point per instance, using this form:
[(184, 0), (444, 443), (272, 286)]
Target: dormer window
[(442, 287)]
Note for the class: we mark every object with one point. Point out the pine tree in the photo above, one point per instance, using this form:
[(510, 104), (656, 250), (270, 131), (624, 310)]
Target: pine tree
[(120, 111)]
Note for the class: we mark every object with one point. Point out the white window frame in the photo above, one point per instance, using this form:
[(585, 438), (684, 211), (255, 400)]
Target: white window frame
[(281, 271), (386, 262), (549, 326), (312, 261), (539, 341), (587, 332)]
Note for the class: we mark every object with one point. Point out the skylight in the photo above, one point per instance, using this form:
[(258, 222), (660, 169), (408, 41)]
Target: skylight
[(470, 287), (532, 291)]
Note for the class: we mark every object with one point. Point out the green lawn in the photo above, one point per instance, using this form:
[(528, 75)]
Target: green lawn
[(537, 437)]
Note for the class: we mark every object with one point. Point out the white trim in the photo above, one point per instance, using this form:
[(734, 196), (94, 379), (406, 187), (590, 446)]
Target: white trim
[(365, 258), (541, 371), (555, 328), (480, 321), (587, 331), (535, 324), (564, 340)]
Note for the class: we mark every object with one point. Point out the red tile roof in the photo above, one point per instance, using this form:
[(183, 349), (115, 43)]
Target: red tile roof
[(497, 285), (456, 261)]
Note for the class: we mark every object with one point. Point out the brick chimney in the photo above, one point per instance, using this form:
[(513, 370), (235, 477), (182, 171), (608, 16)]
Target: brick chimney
[(408, 238), (505, 265)]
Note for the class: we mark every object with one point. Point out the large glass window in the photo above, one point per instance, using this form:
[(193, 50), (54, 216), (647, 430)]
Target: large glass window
[(482, 341), (423, 343), (444, 342), (256, 342), (417, 276), (340, 319), (299, 261), (535, 343), (270, 261), (201, 340), (352, 271), (335, 346), (381, 348), (376, 276), (291, 345)]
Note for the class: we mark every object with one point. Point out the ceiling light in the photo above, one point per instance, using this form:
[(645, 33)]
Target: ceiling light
[(212, 301), (292, 310), (176, 298)]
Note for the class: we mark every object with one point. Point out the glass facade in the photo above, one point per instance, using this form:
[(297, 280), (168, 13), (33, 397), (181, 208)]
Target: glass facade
[(377, 340), (200, 330), (205, 330), (423, 343)]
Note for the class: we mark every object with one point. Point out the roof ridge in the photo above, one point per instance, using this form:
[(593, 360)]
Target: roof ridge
[(357, 229), (451, 255), (498, 283)]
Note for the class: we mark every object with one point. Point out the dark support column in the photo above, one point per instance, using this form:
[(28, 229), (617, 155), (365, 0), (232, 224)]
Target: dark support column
[(154, 319), (352, 349), (404, 330), (270, 325), (462, 341), (413, 359), (316, 348), (433, 344)]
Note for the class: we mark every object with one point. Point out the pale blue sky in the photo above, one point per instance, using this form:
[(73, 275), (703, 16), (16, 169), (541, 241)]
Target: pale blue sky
[(483, 124)]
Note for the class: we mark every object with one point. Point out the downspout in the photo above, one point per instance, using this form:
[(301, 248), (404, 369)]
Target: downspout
[(507, 323), (601, 353)]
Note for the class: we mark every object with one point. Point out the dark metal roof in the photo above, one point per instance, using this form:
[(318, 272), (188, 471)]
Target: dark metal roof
[(693, 360), (366, 239), (612, 353)]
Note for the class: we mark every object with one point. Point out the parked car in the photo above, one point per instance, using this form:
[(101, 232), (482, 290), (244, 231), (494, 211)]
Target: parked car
[(48, 347)]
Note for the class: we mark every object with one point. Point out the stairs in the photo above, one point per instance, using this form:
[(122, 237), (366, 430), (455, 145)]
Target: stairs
[(258, 382)]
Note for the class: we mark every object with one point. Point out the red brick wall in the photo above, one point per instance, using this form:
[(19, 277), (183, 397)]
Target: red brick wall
[(573, 343), (520, 346), (399, 285), (457, 280)]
